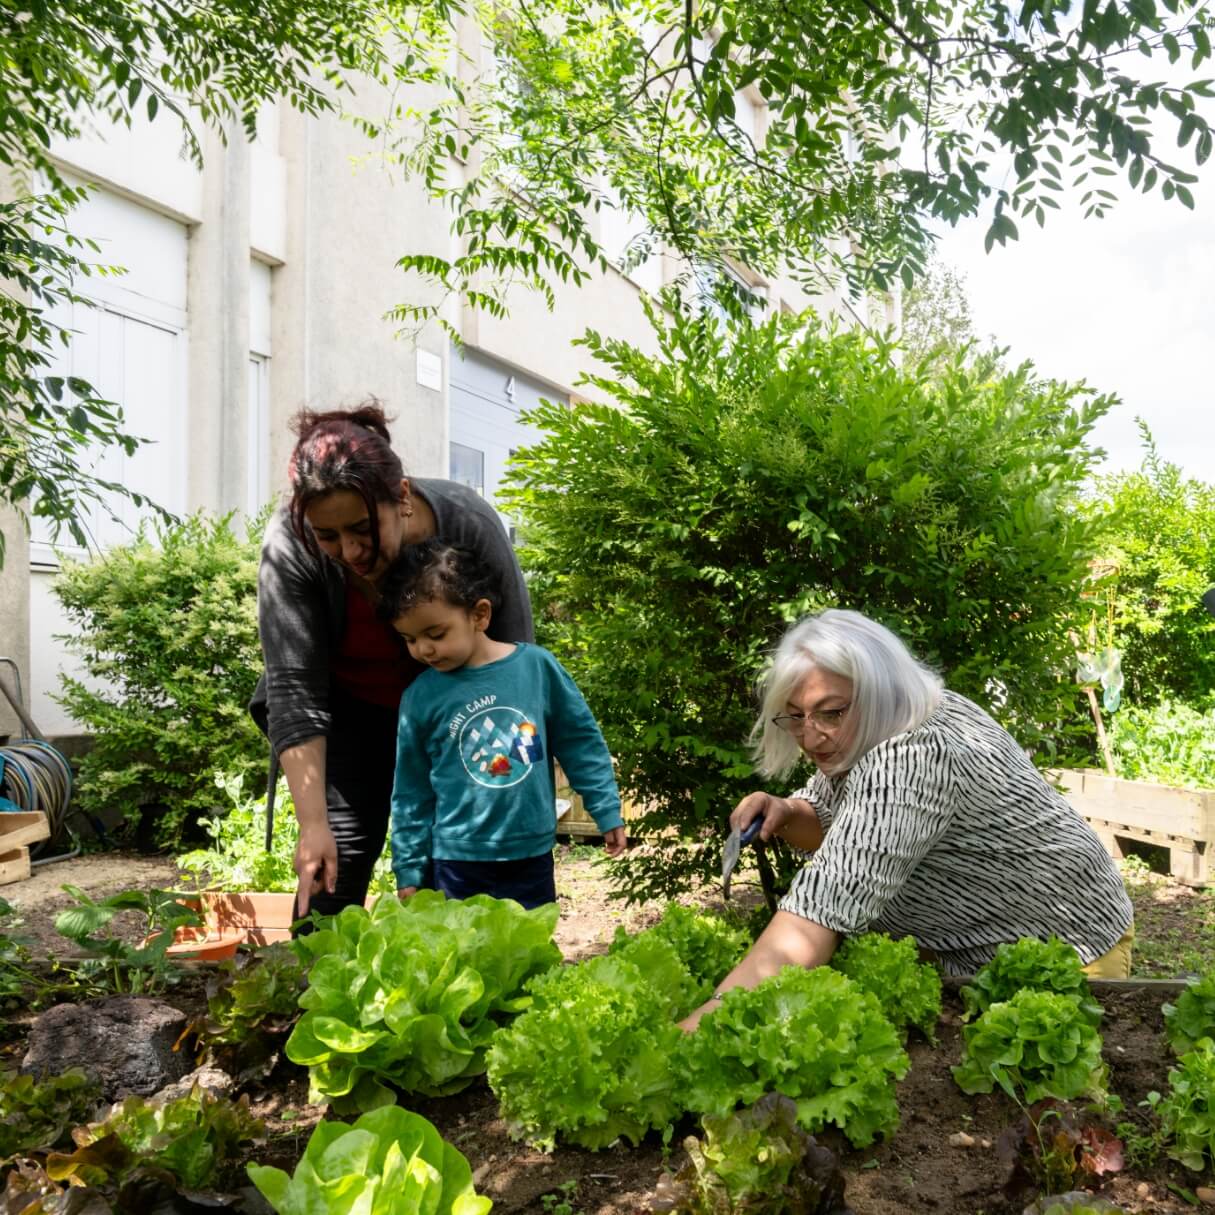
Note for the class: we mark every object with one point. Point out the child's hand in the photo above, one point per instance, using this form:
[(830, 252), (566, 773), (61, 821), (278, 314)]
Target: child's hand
[(615, 841), (406, 891)]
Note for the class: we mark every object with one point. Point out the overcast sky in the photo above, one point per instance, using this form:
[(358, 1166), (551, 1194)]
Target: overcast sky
[(1126, 303)]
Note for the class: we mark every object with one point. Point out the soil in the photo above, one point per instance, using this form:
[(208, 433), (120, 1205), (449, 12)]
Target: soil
[(917, 1170)]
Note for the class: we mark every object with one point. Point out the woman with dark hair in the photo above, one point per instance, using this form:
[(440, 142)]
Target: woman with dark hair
[(335, 672)]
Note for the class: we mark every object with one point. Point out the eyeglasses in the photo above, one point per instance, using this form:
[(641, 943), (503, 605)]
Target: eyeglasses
[(825, 721)]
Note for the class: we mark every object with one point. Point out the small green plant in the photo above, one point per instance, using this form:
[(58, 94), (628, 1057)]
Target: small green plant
[(1055, 1148), (136, 969), (1037, 1045), (192, 1137), (1192, 1018), (1187, 1112), (252, 1005), (1031, 965), (815, 1036), (389, 1160), (236, 859), (165, 629), (1078, 1202), (908, 990), (36, 1115), (561, 1203), (756, 1161)]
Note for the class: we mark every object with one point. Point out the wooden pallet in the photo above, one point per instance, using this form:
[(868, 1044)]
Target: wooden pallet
[(22, 827), (14, 865), (1181, 821)]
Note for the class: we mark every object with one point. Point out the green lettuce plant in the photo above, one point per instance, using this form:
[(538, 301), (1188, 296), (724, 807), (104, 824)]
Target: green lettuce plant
[(815, 1036), (38, 1114), (1192, 1017), (1031, 965), (908, 990), (1187, 1112), (757, 1161), (191, 1137), (411, 993), (707, 946), (388, 1162), (1077, 1202), (591, 1060), (1038, 1044)]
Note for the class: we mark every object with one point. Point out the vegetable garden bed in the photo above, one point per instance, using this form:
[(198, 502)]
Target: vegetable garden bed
[(942, 1158)]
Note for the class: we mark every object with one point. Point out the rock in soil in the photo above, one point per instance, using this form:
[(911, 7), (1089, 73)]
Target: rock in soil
[(126, 1043), (213, 1080)]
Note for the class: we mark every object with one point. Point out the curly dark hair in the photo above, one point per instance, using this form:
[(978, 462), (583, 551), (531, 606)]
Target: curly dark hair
[(435, 570)]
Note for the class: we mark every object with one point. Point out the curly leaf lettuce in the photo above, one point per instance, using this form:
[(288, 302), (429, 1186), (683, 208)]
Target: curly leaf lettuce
[(813, 1035), (411, 993), (389, 1162), (908, 990), (590, 1061), (706, 945), (1187, 1114), (1034, 1046), (1192, 1018), (1031, 965)]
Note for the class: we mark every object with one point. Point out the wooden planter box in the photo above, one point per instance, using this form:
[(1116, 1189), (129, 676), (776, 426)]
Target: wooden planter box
[(1179, 820)]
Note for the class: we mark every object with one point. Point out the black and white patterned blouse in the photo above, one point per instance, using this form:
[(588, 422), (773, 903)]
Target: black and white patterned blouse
[(947, 833)]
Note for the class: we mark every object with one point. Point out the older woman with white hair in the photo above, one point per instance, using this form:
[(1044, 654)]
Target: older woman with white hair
[(924, 817)]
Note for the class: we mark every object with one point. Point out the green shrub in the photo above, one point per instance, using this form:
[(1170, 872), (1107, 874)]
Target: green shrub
[(1162, 539), (908, 990), (1169, 743), (727, 486), (1031, 965), (165, 628)]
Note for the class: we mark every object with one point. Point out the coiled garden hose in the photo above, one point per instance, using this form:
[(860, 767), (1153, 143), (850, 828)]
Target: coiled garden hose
[(34, 776)]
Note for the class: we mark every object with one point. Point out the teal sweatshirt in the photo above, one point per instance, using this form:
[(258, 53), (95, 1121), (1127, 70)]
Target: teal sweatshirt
[(474, 777)]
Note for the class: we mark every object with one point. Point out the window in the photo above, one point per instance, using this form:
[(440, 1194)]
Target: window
[(468, 467)]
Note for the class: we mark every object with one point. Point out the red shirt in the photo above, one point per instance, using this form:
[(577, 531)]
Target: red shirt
[(372, 663)]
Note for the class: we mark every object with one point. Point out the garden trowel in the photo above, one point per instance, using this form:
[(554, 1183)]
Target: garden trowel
[(733, 850)]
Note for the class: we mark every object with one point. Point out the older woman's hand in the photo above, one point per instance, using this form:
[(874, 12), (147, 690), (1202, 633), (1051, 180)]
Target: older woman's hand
[(775, 811), (791, 818)]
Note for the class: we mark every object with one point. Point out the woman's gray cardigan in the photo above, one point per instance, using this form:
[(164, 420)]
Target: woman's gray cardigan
[(301, 608)]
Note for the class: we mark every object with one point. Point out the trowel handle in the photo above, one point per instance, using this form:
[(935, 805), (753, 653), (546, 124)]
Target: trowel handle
[(752, 830)]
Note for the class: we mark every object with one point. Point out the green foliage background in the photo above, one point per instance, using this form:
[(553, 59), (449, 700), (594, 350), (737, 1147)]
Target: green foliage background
[(1162, 540), (165, 628), (725, 487)]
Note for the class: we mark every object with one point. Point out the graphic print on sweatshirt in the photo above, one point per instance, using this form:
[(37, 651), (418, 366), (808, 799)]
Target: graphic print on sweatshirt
[(499, 746)]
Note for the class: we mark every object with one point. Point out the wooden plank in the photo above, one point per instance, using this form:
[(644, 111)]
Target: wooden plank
[(1161, 809), (22, 827), (14, 865)]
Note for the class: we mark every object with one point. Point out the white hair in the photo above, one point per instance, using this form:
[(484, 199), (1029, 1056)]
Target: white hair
[(892, 692)]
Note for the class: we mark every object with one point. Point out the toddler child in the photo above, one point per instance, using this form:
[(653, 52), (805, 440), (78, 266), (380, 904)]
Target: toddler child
[(473, 803)]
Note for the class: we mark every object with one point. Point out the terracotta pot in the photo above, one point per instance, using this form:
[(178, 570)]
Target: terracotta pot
[(204, 944), (262, 917)]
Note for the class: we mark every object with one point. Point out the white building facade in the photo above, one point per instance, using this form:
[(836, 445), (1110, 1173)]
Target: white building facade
[(259, 285)]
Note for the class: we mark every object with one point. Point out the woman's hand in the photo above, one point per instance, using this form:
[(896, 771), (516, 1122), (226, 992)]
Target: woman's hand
[(615, 841), (790, 818), (405, 891), (316, 864), (776, 812)]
